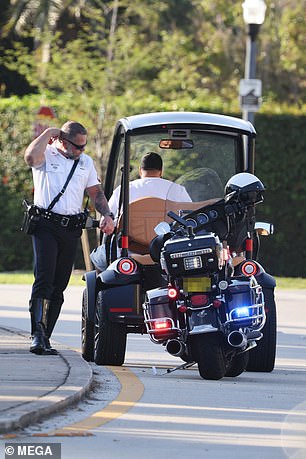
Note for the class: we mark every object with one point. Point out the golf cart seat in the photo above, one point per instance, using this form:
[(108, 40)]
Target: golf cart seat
[(144, 215)]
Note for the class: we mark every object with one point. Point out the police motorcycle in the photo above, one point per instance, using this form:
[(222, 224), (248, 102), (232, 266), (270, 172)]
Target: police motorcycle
[(201, 152), (212, 310)]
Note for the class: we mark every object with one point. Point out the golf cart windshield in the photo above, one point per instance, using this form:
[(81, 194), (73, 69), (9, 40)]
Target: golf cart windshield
[(202, 163)]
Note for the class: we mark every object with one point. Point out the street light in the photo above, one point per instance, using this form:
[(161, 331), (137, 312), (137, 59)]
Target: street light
[(254, 16)]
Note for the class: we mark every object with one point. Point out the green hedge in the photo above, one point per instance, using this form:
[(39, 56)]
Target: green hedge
[(280, 164)]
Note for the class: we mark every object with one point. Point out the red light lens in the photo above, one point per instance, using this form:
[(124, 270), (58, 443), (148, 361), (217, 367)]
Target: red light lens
[(217, 303), (126, 266), (199, 300), (172, 293), (161, 325), (249, 268)]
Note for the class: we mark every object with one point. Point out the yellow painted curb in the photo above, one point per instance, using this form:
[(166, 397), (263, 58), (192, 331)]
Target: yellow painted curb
[(131, 391)]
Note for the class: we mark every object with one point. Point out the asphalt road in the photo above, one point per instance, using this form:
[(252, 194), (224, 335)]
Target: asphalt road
[(179, 414)]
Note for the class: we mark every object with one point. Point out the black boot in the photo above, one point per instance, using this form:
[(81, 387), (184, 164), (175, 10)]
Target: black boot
[(54, 310), (38, 309), (48, 348)]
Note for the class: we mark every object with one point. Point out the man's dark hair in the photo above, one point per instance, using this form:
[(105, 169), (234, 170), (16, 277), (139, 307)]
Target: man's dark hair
[(151, 161), (72, 128)]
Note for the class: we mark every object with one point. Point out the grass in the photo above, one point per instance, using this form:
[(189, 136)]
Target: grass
[(18, 277), (291, 282)]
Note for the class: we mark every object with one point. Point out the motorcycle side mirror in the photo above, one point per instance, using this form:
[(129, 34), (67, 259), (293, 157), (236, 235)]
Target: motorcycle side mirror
[(162, 228), (264, 229)]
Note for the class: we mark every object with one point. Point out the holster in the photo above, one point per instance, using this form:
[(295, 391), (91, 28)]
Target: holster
[(31, 218)]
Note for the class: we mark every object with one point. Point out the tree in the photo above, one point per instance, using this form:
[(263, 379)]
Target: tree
[(192, 49), (42, 16), (116, 58), (281, 61)]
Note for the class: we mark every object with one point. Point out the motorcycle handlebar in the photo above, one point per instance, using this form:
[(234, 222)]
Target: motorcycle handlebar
[(177, 218)]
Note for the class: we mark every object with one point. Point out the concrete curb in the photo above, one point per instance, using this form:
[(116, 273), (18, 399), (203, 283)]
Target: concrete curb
[(77, 383)]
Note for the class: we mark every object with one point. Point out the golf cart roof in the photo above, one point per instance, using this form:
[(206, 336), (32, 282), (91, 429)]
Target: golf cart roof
[(197, 119)]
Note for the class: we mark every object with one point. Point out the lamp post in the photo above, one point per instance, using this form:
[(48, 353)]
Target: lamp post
[(254, 16)]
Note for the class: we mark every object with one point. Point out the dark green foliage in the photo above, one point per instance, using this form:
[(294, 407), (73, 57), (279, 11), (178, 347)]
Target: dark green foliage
[(97, 61), (281, 164), (15, 184), (15, 247)]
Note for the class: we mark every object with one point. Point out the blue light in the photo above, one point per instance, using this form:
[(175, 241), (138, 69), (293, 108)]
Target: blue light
[(242, 312)]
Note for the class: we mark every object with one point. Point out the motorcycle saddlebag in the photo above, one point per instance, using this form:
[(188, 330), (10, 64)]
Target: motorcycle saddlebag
[(159, 314)]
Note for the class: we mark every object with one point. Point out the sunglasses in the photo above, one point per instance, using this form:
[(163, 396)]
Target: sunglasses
[(78, 147)]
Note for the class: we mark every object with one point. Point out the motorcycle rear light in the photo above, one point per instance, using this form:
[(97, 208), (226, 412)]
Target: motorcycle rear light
[(182, 308), (249, 268), (161, 325), (126, 266), (217, 303), (199, 300), (172, 293)]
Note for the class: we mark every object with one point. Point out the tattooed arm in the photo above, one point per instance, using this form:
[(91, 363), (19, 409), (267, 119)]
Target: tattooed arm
[(98, 199)]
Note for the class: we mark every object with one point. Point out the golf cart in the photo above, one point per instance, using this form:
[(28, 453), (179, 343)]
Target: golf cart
[(202, 152)]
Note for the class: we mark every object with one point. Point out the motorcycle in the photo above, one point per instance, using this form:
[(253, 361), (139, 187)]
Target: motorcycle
[(212, 311), (201, 151)]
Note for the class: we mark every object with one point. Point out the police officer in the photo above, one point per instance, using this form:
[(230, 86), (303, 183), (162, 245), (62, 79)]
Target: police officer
[(51, 156)]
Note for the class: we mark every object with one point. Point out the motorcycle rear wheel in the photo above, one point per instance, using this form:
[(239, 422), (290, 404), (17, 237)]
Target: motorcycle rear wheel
[(208, 350), (262, 357), (88, 331), (237, 365), (110, 337)]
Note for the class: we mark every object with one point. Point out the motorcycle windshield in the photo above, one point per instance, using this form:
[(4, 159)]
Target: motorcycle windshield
[(202, 163)]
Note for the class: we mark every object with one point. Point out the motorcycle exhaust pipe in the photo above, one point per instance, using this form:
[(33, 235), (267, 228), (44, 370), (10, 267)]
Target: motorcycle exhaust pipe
[(237, 339), (175, 347)]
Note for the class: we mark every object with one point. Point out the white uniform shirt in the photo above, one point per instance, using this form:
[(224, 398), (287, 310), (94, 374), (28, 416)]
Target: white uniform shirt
[(50, 177), (154, 187)]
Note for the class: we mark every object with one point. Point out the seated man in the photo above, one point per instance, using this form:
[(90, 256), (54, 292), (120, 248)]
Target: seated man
[(150, 184)]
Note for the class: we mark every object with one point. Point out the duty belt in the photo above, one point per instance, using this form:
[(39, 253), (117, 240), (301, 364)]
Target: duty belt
[(66, 221)]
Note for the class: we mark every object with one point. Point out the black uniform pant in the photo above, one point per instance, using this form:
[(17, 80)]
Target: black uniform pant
[(54, 249)]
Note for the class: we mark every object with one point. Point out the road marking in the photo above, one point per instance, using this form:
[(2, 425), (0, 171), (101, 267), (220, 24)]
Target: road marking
[(131, 391)]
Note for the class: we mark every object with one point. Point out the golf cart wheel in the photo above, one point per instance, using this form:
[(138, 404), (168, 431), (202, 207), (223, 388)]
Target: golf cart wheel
[(262, 357), (88, 332), (110, 337)]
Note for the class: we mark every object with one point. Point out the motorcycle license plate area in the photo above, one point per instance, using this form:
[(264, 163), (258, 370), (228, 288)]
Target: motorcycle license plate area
[(196, 284)]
